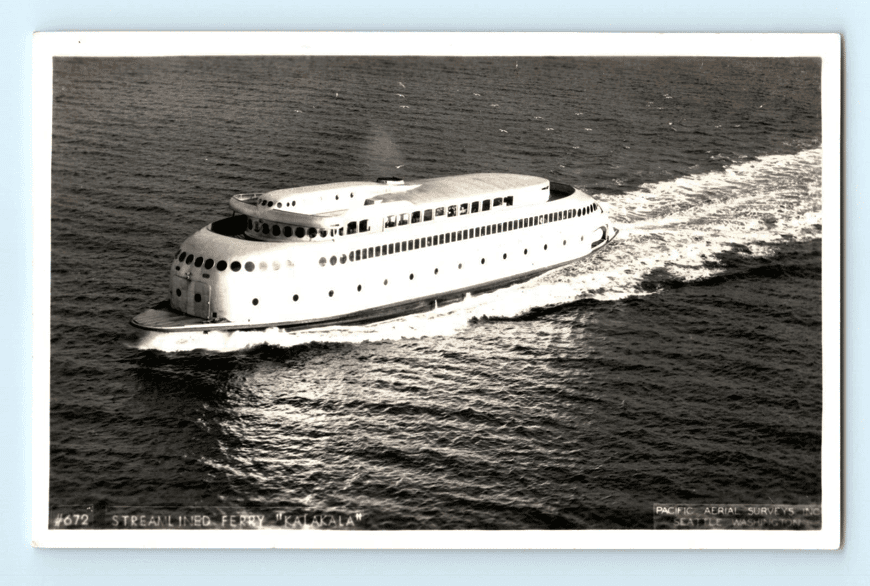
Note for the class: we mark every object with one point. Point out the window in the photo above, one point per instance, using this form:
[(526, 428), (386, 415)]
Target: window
[(357, 254), (439, 212), (441, 239), (509, 200), (288, 231), (451, 211), (351, 229), (209, 264), (265, 228), (536, 220), (525, 222), (496, 202), (371, 252), (428, 241), (276, 230), (365, 254), (551, 218), (384, 250), (403, 219), (416, 244), (463, 209), (390, 249), (198, 262), (250, 224), (391, 222), (427, 216), (322, 261), (377, 251), (488, 230), (323, 233), (221, 265), (453, 237), (465, 234), (422, 243), (475, 207), (189, 259), (485, 205), (333, 260), (350, 256), (236, 266), (404, 246), (476, 232), (415, 217), (363, 225), (312, 232), (498, 228)]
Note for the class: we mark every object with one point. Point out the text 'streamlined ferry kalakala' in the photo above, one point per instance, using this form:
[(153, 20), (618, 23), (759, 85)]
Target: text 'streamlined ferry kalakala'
[(357, 252)]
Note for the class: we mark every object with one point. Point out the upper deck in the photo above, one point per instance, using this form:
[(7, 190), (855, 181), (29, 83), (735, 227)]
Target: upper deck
[(339, 209)]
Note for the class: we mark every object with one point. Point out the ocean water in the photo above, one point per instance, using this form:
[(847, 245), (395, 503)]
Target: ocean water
[(681, 365)]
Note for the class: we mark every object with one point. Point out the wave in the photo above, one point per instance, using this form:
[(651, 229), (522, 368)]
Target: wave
[(677, 226)]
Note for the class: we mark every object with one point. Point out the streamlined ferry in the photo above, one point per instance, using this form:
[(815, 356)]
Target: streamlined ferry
[(357, 252)]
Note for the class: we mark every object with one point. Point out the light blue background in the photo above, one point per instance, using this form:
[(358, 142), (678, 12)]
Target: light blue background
[(20, 564)]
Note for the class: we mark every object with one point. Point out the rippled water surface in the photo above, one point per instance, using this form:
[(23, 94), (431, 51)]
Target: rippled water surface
[(681, 365)]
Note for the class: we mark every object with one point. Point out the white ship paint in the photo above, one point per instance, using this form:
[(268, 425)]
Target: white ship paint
[(358, 252)]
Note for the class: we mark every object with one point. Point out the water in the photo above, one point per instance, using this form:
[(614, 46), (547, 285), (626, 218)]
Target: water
[(681, 365)]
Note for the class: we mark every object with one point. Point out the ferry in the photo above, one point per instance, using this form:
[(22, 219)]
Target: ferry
[(364, 251)]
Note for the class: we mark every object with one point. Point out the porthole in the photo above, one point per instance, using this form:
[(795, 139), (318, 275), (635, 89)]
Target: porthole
[(504, 256), (278, 205), (359, 287), (276, 230), (276, 265), (221, 265), (182, 255), (300, 232), (411, 276), (386, 281), (209, 264), (249, 266), (198, 262), (323, 233), (189, 258), (255, 301), (343, 259), (312, 232), (331, 293), (265, 228), (236, 266), (333, 260), (296, 297), (483, 261), (564, 242), (288, 231), (264, 266), (526, 251), (322, 261), (257, 227), (271, 203), (197, 298), (293, 203), (545, 247), (178, 292), (436, 271), (336, 196), (177, 268), (460, 266)]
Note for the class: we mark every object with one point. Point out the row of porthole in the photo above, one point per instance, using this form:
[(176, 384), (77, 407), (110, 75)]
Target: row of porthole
[(275, 230), (279, 205), (411, 275)]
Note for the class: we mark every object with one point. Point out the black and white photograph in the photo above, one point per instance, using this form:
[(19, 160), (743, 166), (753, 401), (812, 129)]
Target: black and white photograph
[(482, 290)]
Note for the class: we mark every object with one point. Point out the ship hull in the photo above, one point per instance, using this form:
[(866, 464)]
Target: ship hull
[(164, 318)]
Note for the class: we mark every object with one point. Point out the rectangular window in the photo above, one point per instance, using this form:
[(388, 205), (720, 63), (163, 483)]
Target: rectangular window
[(463, 209), (509, 200), (451, 211), (517, 225), (363, 225), (475, 207), (391, 248), (453, 237), (403, 219), (465, 234), (427, 216), (439, 212), (559, 217), (371, 252), (358, 255), (351, 228), (422, 243), (350, 256), (377, 251), (525, 222), (415, 217), (416, 244), (384, 250), (391, 222), (428, 241), (488, 230), (441, 239), (477, 232), (365, 255), (404, 246), (498, 228), (496, 202), (536, 220), (551, 218)]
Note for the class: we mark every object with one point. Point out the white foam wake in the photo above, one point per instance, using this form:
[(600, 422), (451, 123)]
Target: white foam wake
[(678, 226)]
